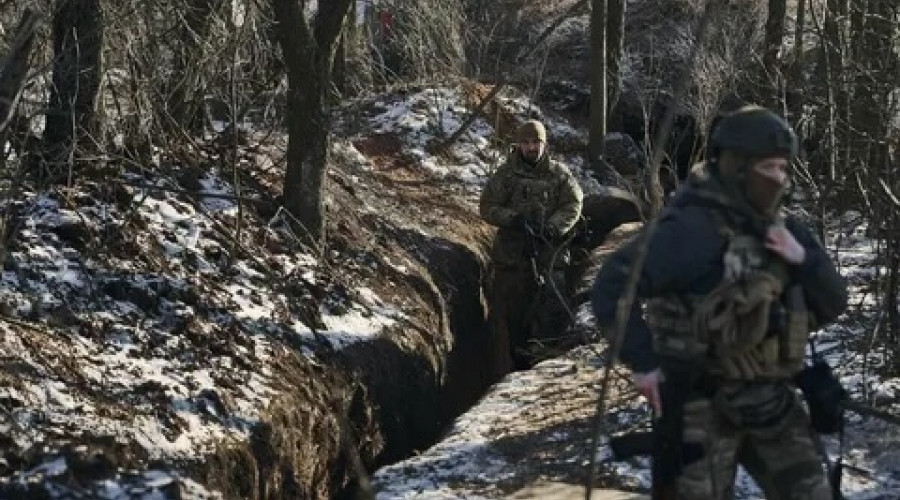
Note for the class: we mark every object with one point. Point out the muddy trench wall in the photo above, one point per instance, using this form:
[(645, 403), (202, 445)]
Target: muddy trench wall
[(373, 403), (376, 401)]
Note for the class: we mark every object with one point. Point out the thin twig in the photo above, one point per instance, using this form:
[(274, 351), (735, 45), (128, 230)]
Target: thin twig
[(148, 187), (890, 194)]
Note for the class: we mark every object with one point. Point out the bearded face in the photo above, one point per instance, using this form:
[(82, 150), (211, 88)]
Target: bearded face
[(531, 150)]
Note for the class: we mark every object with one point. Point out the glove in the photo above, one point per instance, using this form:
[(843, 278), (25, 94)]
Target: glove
[(783, 243), (521, 223)]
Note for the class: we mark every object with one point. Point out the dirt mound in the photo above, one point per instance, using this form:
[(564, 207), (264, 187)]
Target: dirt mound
[(191, 328)]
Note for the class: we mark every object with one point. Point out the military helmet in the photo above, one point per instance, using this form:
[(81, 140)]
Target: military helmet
[(753, 131)]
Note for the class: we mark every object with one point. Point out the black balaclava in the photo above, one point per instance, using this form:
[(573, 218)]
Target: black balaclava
[(763, 193)]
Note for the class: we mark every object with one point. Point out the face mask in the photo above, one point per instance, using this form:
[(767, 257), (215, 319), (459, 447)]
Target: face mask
[(765, 186)]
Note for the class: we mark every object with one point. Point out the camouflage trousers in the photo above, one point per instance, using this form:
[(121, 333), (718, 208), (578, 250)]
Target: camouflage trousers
[(779, 453), (526, 317)]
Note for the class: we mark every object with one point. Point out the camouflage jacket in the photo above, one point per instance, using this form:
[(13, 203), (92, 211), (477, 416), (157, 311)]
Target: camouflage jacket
[(545, 193)]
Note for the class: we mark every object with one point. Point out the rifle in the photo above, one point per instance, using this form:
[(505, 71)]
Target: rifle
[(671, 453), (543, 275), (665, 442), (632, 444)]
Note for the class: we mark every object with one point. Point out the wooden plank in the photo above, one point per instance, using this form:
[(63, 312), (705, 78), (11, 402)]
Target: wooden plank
[(567, 491)]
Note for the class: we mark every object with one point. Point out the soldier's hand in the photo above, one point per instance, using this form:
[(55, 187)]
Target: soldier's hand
[(648, 385), (783, 243)]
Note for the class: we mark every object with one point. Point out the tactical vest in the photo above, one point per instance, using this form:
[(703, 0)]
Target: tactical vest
[(729, 331), (536, 193)]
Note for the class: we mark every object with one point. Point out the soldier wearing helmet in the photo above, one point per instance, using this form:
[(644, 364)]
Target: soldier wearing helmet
[(731, 288), (534, 203)]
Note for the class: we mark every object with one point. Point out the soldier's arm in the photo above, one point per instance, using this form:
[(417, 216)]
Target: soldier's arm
[(569, 210), (682, 257), (824, 288), (494, 199)]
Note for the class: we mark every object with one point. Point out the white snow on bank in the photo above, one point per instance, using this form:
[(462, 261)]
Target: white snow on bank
[(429, 116), (147, 485), (115, 345), (464, 464), (425, 118), (181, 375)]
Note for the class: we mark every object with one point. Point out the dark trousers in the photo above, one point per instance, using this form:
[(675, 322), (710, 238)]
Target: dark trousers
[(527, 315)]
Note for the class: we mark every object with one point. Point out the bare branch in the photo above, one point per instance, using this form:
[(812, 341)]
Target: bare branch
[(890, 194)]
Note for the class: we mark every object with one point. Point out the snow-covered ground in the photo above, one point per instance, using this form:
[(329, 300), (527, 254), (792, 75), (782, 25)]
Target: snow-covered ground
[(129, 316), (106, 344), (534, 426), (87, 313)]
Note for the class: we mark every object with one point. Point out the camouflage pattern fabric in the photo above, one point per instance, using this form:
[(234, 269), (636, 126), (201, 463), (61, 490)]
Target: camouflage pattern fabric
[(526, 315), (546, 194), (527, 318), (779, 454), (753, 417)]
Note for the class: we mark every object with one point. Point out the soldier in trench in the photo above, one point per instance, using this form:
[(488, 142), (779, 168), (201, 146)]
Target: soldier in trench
[(534, 204), (731, 288)]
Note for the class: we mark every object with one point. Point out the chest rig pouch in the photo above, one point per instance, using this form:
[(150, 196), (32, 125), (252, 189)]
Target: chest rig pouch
[(748, 328), (735, 315)]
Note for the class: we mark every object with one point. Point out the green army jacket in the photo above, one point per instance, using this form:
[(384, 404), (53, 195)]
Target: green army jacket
[(547, 194)]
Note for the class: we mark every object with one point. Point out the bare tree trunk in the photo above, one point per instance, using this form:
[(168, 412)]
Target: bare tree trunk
[(856, 13), (71, 117), (340, 65), (309, 50), (769, 83), (860, 114), (798, 83), (834, 75), (892, 297), (884, 28), (184, 102), (846, 149), (615, 48), (13, 70), (598, 103), (14, 67)]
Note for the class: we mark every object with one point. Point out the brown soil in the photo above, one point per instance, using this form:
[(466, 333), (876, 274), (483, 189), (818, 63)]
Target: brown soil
[(419, 243)]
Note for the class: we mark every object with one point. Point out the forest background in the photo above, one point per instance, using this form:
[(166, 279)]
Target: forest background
[(105, 98)]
